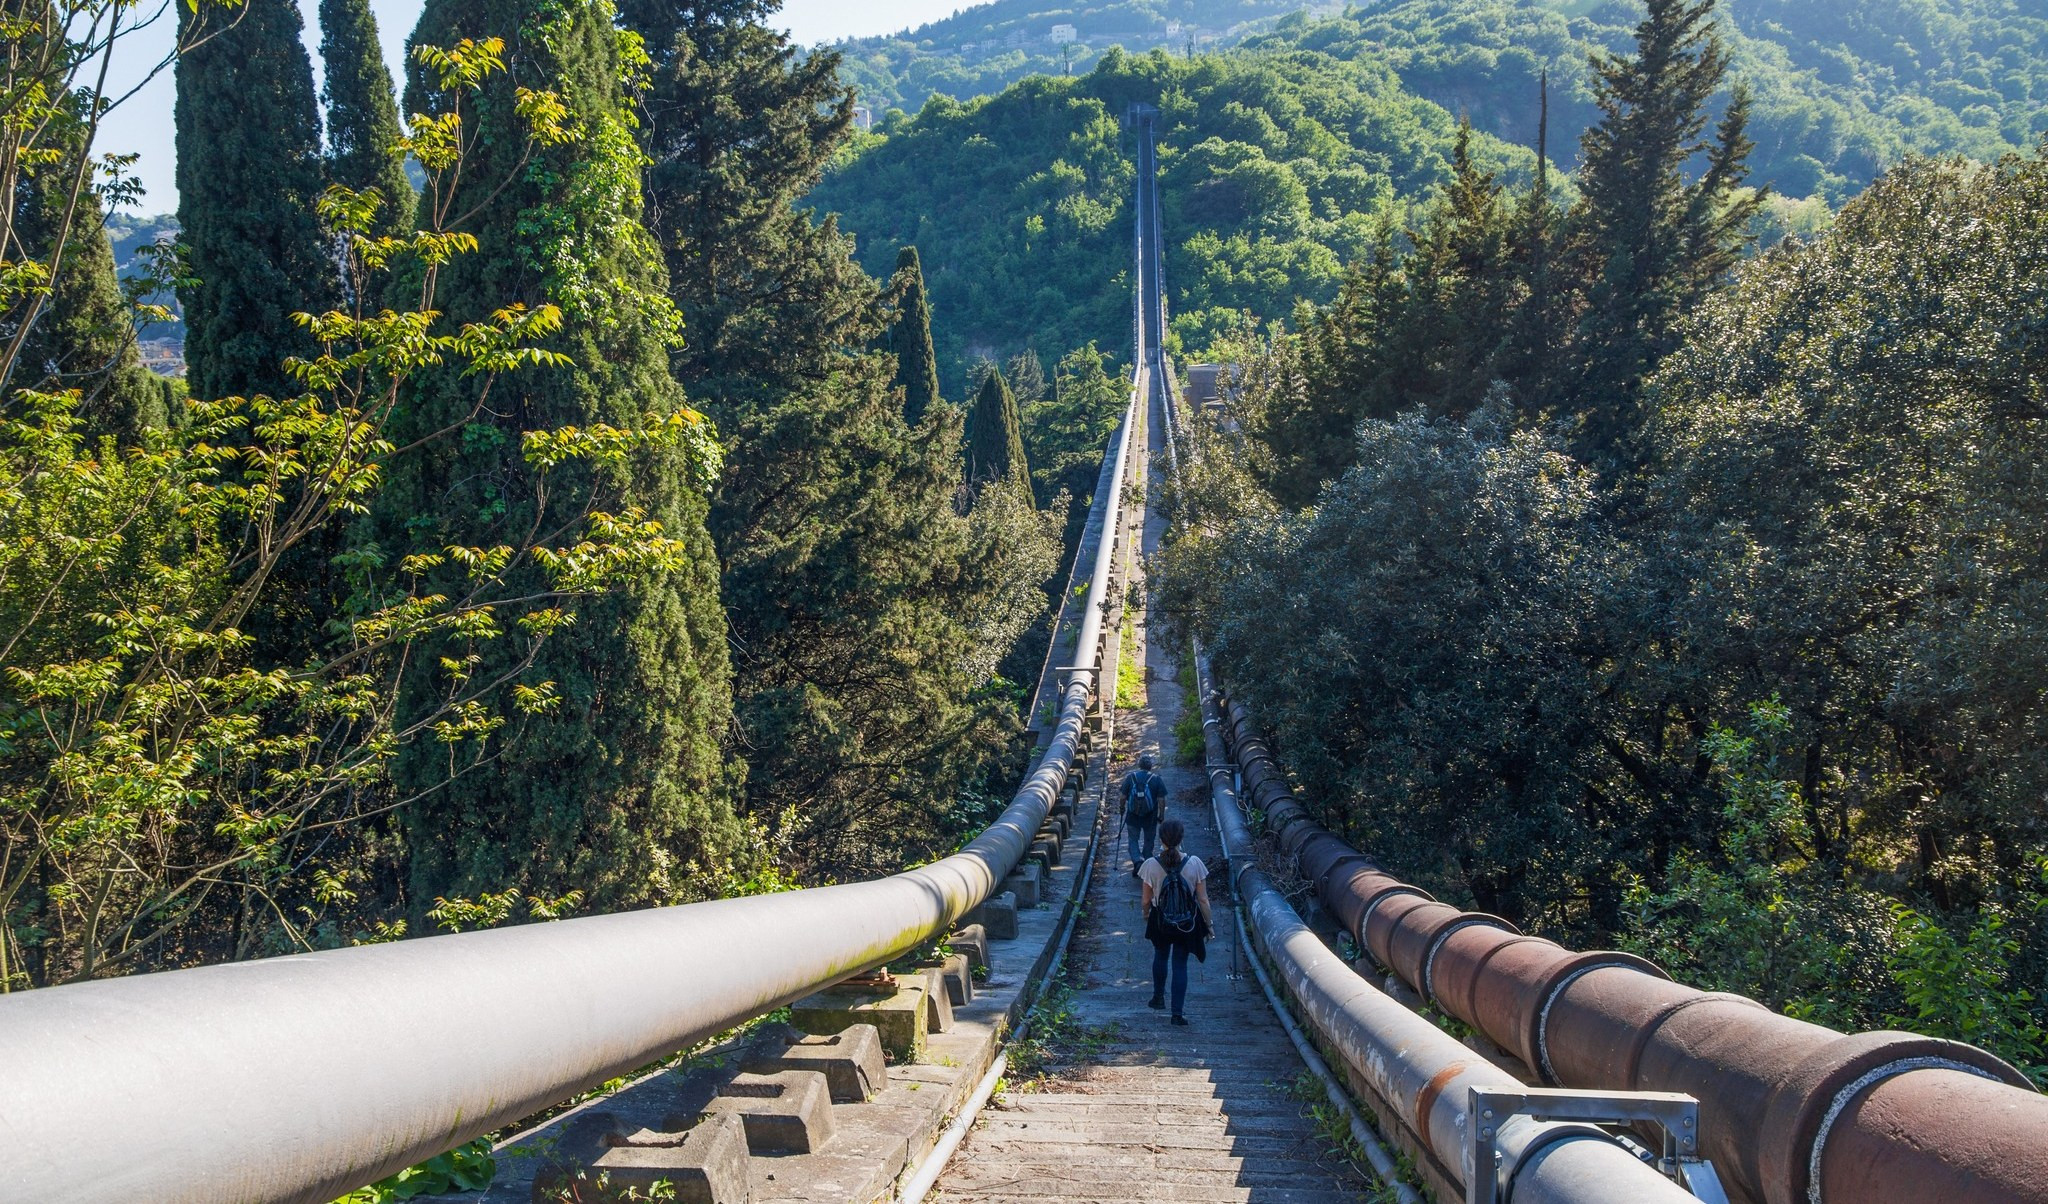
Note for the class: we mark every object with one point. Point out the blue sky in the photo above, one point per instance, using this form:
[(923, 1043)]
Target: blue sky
[(143, 125)]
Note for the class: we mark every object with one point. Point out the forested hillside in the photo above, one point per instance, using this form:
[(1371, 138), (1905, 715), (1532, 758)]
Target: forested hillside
[(1654, 594), (1844, 88), (987, 47), (1279, 170)]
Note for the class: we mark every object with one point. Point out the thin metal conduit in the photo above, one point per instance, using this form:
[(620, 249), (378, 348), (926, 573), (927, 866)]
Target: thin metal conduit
[(294, 1079)]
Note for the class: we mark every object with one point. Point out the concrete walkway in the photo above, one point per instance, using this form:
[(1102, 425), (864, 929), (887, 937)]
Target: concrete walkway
[(1153, 1112)]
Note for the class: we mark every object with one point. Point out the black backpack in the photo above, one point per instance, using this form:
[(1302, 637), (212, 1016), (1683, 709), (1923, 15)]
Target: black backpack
[(1176, 906), (1138, 804)]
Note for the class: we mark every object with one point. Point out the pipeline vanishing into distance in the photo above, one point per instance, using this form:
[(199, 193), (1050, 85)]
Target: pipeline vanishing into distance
[(295, 1079)]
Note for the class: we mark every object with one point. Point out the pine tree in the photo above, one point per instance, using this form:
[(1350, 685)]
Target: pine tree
[(619, 791), (363, 149), (739, 128), (1531, 357), (249, 174), (995, 435), (1649, 243), (849, 577), (910, 338), (84, 337), (1027, 377)]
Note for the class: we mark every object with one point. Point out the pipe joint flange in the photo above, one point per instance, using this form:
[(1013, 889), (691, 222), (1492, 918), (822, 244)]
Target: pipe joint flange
[(1471, 919), (1814, 1093), (1536, 1038), (1344, 868), (1372, 905)]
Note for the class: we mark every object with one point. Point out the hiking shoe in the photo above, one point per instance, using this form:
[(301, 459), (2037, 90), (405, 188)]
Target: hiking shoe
[(1156, 1002), (1181, 1020), (1134, 872)]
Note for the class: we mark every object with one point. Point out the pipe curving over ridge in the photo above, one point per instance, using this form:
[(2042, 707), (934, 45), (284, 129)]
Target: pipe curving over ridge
[(1792, 1112)]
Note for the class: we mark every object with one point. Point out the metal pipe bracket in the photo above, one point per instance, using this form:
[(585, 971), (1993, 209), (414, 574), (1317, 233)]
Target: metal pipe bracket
[(1511, 1124)]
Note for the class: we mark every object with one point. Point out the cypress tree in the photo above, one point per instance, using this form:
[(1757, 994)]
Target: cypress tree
[(84, 338), (363, 133), (995, 435), (249, 173), (620, 790), (1649, 242), (910, 338)]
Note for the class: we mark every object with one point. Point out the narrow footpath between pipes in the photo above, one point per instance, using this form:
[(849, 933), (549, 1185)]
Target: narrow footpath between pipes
[(1145, 1111)]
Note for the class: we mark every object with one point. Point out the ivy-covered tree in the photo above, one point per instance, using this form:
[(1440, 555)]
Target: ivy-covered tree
[(995, 435), (1651, 243), (364, 140), (249, 179), (612, 783), (910, 338)]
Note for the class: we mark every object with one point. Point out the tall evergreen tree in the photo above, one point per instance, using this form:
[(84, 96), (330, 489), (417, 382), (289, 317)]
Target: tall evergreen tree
[(249, 174), (995, 435), (620, 790), (84, 337), (910, 338), (363, 134), (848, 574), (1649, 242), (739, 128)]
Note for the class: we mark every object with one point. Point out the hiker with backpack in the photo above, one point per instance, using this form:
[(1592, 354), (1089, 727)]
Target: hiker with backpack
[(1175, 900), (1144, 807)]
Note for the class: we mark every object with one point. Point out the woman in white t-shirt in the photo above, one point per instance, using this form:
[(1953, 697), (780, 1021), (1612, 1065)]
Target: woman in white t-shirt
[(1176, 916)]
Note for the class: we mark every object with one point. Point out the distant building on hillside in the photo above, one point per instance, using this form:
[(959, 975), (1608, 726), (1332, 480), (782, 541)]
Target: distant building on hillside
[(863, 117), (1062, 34), (1173, 29), (1212, 383)]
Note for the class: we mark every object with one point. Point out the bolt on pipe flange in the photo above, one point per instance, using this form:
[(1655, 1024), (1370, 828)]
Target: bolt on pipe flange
[(1812, 1094)]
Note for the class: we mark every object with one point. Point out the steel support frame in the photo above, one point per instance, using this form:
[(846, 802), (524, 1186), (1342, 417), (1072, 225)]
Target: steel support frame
[(1510, 1125)]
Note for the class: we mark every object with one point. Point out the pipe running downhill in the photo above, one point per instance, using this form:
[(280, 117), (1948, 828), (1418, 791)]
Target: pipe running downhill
[(299, 1078), (1791, 1112)]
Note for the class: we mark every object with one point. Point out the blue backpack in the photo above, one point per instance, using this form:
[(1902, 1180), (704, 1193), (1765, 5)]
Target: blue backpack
[(1139, 805)]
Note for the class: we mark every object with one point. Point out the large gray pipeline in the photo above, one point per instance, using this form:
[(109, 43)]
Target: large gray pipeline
[(298, 1078)]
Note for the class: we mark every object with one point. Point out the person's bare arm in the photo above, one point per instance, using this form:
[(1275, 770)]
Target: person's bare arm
[(1144, 897), (1202, 897)]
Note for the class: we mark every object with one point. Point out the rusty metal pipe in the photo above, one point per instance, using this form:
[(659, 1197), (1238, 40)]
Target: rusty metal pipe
[(1794, 1113)]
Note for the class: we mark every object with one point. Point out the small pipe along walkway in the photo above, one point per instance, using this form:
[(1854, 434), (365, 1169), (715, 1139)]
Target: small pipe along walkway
[(1145, 1111)]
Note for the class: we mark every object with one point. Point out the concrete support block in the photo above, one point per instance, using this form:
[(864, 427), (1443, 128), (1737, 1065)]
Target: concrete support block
[(998, 915), (1047, 847), (959, 975), (1024, 883), (898, 1017), (938, 1004), (788, 1112), (972, 940), (1057, 826), (706, 1165), (851, 1061)]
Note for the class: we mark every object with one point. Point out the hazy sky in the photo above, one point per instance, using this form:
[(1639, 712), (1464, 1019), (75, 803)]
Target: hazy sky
[(142, 125)]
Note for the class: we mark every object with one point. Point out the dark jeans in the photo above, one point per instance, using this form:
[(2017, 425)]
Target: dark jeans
[(1147, 829), (1178, 954)]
